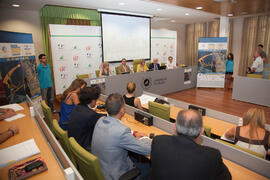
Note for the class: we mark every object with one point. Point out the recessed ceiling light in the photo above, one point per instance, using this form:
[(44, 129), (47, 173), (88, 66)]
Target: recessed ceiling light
[(187, 14), (121, 4), (16, 5), (230, 15), (172, 20), (199, 7), (159, 9)]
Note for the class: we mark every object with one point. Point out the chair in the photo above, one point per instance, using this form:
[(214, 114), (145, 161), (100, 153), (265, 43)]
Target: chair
[(97, 73), (268, 76), (242, 149), (148, 63), (83, 76), (117, 70), (88, 164), (266, 69), (47, 114), (163, 64), (207, 131), (135, 64), (159, 110), (62, 137), (258, 76)]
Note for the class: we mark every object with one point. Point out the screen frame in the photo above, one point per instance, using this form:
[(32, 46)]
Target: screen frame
[(128, 60)]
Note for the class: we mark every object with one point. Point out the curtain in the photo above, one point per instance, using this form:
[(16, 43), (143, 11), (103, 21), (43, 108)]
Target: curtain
[(64, 15), (213, 29), (255, 31), (193, 32)]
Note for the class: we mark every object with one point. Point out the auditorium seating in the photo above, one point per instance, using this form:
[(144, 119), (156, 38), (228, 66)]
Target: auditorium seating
[(159, 110)]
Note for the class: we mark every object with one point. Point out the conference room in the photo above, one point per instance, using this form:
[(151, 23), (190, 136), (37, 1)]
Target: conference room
[(168, 59)]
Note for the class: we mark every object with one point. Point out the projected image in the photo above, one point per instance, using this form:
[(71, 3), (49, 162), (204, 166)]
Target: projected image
[(125, 36)]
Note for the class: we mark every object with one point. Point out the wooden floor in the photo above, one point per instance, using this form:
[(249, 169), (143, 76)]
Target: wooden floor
[(217, 99)]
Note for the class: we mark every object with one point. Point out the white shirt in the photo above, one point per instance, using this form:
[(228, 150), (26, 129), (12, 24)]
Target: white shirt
[(170, 65), (258, 64)]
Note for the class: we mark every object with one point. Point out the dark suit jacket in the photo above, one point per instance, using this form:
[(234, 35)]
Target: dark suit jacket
[(179, 157), (81, 125), (151, 66)]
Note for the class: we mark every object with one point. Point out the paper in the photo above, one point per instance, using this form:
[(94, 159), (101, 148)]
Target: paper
[(146, 98), (18, 152), (15, 107), (17, 116), (226, 139)]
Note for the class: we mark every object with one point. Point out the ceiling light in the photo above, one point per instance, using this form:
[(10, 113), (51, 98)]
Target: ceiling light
[(199, 7), (230, 15), (159, 9), (16, 5), (187, 14), (172, 20), (121, 4)]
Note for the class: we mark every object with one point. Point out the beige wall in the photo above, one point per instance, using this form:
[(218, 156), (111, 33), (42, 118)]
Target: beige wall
[(181, 30), (23, 21)]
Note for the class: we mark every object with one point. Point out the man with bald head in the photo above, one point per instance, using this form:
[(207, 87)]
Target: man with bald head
[(180, 157), (154, 65)]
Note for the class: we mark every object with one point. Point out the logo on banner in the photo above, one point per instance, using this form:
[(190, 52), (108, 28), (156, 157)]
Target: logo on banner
[(146, 83), (4, 49), (15, 50)]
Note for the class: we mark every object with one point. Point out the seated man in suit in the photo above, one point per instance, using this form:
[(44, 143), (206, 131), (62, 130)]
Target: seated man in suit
[(180, 157), (154, 65), (112, 140), (83, 119), (124, 68)]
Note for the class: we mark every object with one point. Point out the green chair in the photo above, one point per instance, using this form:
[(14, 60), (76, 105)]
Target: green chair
[(207, 131), (117, 70), (163, 64), (135, 64), (266, 69), (148, 63), (258, 76), (83, 76), (268, 76), (87, 164), (62, 137), (47, 114), (242, 149), (159, 110), (97, 73)]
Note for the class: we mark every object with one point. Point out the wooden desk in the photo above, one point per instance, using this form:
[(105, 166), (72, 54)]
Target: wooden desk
[(218, 127), (237, 171), (28, 128)]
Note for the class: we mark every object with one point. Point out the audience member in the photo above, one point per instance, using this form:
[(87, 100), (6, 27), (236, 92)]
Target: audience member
[(154, 65), (9, 133), (70, 99), (45, 81), (105, 70), (229, 71), (6, 113), (124, 68), (252, 135), (262, 53), (170, 63), (257, 65), (83, 118), (130, 98), (180, 157), (112, 140), (142, 66)]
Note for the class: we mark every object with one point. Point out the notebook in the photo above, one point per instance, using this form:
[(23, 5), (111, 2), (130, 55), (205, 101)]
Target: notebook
[(18, 152)]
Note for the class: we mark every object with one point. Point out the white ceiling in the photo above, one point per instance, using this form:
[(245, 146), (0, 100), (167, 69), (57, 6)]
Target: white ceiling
[(168, 12)]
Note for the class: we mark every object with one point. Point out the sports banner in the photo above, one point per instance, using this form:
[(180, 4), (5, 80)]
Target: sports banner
[(211, 62), (18, 66)]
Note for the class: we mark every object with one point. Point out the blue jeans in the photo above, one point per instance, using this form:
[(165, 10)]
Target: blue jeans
[(47, 95)]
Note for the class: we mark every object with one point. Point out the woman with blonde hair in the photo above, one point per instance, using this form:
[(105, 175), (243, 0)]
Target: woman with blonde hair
[(105, 70), (142, 66), (130, 98), (70, 99), (252, 135)]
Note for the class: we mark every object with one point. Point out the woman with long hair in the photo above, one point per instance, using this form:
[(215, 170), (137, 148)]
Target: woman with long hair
[(142, 66), (229, 71), (105, 70), (252, 135), (69, 100)]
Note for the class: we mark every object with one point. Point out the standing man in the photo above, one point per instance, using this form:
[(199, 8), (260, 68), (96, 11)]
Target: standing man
[(124, 68), (262, 53), (112, 140), (180, 157), (154, 65), (45, 80)]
